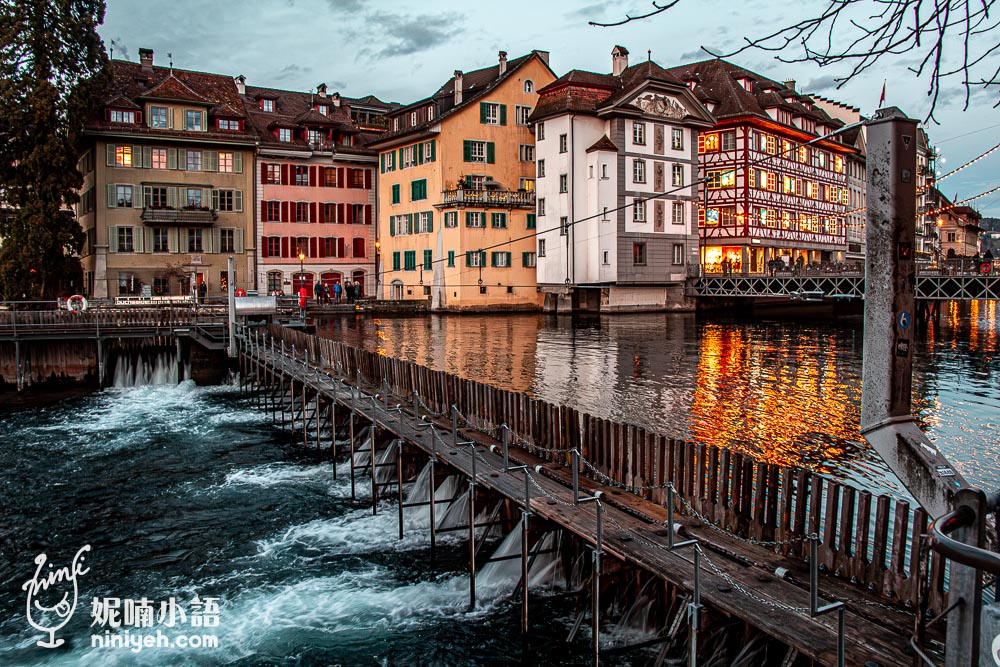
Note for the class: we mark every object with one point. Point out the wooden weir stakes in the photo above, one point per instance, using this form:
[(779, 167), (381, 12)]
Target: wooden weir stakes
[(866, 542)]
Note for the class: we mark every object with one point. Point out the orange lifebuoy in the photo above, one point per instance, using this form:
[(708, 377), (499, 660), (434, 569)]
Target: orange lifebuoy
[(241, 292), (985, 268), (76, 303)]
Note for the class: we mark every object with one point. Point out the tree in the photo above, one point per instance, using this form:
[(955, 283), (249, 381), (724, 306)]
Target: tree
[(51, 59), (860, 33)]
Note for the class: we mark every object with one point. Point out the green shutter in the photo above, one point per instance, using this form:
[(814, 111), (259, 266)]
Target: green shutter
[(524, 259), (490, 153), (111, 155), (392, 225), (433, 154), (508, 258), (482, 112), (238, 201), (399, 159), (419, 148), (482, 258), (395, 192), (381, 160), (409, 223), (531, 221), (468, 258), (430, 221), (451, 258), (467, 151), (414, 190), (503, 114), (428, 259), (113, 239), (493, 258), (468, 219), (395, 261)]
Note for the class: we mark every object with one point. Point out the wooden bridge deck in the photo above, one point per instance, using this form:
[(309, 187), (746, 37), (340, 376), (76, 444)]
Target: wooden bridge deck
[(738, 578)]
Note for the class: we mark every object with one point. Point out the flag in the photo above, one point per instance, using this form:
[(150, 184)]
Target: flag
[(881, 100)]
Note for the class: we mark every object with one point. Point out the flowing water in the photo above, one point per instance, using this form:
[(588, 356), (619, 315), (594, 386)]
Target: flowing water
[(184, 491)]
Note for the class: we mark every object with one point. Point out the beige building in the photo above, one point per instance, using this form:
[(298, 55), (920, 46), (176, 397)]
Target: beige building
[(168, 192), (456, 209)]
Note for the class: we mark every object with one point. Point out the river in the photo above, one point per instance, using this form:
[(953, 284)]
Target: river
[(183, 491)]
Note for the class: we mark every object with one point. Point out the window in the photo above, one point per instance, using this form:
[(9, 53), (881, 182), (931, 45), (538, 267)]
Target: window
[(160, 239), (428, 151), (541, 247), (528, 260), (227, 240), (451, 219), (721, 179), (677, 139), (521, 114), (193, 160), (409, 157), (708, 142), (498, 220), (301, 175), (358, 214), (159, 158), (541, 206), (418, 190), (155, 196), (677, 174), (158, 117), (639, 211), (529, 86), (526, 184), (395, 193), (563, 183), (491, 113), (413, 118), (541, 169), (428, 260), (678, 213), (563, 225), (267, 105), (161, 285), (192, 120), (357, 179), (127, 284), (639, 133), (474, 258), (329, 177), (475, 219), (639, 253), (194, 197), (194, 240), (272, 211), (500, 259), (227, 200), (229, 124), (526, 153), (430, 112), (606, 258), (678, 253), (123, 156), (273, 250), (838, 164), (531, 222), (638, 171), (329, 212), (563, 143), (125, 240), (539, 131), (123, 196), (604, 172), (121, 116), (301, 211), (478, 151), (226, 163), (284, 134), (409, 260), (272, 174)]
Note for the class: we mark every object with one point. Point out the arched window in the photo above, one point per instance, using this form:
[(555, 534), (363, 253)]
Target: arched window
[(529, 86), (274, 282), (302, 280), (396, 290)]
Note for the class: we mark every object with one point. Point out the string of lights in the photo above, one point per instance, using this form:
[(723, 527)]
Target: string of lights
[(962, 202)]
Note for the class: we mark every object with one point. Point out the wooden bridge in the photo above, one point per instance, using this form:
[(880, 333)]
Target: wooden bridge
[(729, 540), (841, 286)]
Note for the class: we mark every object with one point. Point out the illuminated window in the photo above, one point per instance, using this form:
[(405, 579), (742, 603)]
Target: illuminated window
[(226, 163), (123, 156), (708, 143), (838, 164), (639, 253), (159, 158), (677, 174), (721, 179), (677, 139)]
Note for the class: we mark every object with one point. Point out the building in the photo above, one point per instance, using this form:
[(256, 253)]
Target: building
[(314, 188), (770, 197), (456, 190), (926, 240), (856, 215), (957, 230), (617, 165), (166, 200)]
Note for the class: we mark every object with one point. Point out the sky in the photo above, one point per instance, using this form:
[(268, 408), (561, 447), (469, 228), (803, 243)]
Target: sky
[(403, 51)]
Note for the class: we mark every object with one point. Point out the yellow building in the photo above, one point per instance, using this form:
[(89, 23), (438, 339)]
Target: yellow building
[(456, 214)]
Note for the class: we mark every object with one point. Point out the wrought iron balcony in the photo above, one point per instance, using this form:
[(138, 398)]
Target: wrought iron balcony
[(179, 216), (489, 198)]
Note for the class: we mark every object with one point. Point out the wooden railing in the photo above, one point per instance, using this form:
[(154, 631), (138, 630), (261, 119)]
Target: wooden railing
[(875, 542), (497, 198)]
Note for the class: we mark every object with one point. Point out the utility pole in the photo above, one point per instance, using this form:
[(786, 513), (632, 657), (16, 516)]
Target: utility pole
[(886, 422)]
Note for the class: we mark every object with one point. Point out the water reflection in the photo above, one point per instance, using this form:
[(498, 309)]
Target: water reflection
[(785, 390)]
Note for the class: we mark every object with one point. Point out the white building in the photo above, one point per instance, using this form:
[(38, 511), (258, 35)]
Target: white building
[(617, 160)]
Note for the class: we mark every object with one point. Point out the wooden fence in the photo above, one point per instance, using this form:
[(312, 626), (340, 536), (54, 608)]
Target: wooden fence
[(872, 541)]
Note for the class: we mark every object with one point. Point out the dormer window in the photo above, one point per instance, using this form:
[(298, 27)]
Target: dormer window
[(322, 108), (430, 112), (118, 116), (413, 118), (267, 105), (395, 123), (158, 117), (746, 83), (284, 134), (228, 124)]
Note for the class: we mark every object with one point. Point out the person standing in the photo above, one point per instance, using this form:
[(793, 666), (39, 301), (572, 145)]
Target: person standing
[(303, 297), (336, 293), (202, 292)]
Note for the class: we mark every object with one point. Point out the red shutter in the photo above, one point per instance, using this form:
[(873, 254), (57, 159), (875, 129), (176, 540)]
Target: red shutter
[(285, 211), (313, 212), (368, 179), (350, 214), (263, 173), (341, 213), (322, 249), (312, 176), (286, 174), (263, 247), (284, 246), (321, 209), (341, 177), (340, 247), (314, 247), (359, 247), (368, 214)]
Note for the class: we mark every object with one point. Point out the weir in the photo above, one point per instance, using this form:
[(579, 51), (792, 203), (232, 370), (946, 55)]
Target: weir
[(752, 551)]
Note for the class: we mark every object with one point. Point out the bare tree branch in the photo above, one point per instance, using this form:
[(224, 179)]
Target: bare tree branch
[(861, 33)]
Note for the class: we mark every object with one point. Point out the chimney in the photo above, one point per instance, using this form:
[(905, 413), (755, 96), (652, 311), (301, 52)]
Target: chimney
[(335, 97), (146, 60), (458, 87), (790, 83), (321, 90), (503, 62), (241, 84), (619, 60)]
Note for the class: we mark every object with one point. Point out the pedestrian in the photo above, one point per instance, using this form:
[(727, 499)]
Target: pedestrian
[(799, 262), (318, 291), (326, 294), (303, 297), (202, 291), (336, 293)]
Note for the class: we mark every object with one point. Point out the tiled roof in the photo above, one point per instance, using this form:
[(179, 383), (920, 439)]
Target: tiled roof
[(371, 101), (603, 144), (172, 88), (296, 109)]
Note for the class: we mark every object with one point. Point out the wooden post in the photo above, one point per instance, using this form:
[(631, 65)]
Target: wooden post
[(399, 482), (371, 468), (472, 541), (333, 435), (433, 491)]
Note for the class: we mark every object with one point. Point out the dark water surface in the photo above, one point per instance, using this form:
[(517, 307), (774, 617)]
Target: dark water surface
[(183, 491)]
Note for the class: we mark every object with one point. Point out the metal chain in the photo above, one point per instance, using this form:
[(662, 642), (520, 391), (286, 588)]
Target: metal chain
[(432, 413)]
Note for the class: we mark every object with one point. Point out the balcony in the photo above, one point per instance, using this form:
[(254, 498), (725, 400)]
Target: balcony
[(179, 216), (489, 198), (324, 146)]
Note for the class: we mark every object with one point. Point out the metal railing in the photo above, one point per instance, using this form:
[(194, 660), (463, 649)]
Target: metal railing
[(497, 198)]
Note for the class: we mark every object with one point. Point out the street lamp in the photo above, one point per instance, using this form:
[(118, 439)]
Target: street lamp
[(302, 258), (378, 246)]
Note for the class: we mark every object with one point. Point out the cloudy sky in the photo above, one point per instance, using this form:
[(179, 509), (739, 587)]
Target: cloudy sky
[(402, 51)]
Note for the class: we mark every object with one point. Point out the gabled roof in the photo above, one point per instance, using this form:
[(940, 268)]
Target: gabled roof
[(475, 85), (122, 102), (372, 102), (172, 88), (603, 144)]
